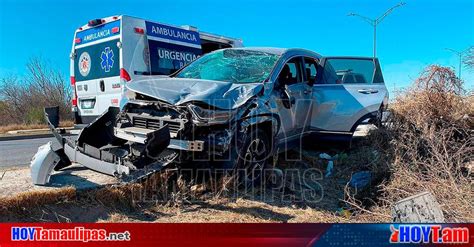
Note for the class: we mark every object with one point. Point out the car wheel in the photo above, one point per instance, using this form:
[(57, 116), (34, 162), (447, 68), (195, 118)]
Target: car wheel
[(254, 157)]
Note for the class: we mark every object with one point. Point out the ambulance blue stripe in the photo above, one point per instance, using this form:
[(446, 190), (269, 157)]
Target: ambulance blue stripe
[(172, 33)]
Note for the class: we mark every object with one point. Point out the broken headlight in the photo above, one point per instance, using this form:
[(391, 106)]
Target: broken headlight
[(129, 94), (210, 116), (126, 96)]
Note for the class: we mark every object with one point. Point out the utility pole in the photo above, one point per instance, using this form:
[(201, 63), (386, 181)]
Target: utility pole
[(460, 54), (375, 22)]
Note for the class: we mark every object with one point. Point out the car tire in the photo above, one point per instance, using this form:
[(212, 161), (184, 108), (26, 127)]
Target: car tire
[(254, 156)]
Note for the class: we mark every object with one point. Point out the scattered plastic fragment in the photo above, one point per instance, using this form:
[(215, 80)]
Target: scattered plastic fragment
[(330, 159), (325, 156), (360, 179), (419, 208), (329, 168), (344, 213)]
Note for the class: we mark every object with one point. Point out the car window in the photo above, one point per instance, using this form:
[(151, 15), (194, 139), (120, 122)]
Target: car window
[(358, 78), (291, 72), (330, 76), (348, 78), (310, 70), (354, 70)]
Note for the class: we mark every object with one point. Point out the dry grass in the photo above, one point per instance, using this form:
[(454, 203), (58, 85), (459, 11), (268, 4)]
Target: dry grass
[(426, 146), (238, 211), (4, 129), (27, 200), (117, 197), (162, 198)]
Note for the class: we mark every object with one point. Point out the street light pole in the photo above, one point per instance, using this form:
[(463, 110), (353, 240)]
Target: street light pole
[(375, 40), (460, 54), (375, 22)]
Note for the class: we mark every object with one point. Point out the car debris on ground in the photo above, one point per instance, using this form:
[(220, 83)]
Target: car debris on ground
[(419, 208), (360, 180), (330, 160)]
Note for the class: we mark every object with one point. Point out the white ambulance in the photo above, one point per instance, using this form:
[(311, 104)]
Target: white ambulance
[(109, 52)]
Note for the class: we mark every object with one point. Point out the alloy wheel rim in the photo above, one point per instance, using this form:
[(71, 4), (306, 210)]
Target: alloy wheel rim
[(254, 156)]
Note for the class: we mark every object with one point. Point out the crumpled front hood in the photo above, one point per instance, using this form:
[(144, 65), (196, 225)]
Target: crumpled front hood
[(176, 91)]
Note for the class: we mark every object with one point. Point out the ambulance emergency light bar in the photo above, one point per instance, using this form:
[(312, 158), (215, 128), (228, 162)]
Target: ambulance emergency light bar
[(95, 22), (113, 30)]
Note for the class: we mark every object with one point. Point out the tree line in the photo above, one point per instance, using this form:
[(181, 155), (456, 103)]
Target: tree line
[(23, 98)]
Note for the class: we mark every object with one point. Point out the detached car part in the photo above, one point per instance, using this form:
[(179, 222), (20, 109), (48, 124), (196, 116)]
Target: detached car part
[(97, 148), (42, 164)]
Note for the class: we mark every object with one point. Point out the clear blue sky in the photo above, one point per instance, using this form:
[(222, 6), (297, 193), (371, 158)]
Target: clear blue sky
[(412, 37)]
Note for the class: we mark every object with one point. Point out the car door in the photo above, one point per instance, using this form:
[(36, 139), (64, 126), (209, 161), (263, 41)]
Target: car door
[(305, 104), (351, 90), (293, 88)]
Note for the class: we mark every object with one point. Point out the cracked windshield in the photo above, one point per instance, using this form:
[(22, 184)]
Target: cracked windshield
[(236, 66)]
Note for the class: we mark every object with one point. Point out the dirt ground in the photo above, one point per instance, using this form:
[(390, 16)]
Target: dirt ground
[(317, 199), (241, 210)]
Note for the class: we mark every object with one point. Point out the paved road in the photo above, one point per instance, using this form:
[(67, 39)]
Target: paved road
[(15, 175), (20, 152)]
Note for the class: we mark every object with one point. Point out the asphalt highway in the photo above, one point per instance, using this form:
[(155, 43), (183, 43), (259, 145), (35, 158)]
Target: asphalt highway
[(19, 152)]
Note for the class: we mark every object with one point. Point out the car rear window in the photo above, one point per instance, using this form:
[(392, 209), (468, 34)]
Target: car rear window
[(355, 70)]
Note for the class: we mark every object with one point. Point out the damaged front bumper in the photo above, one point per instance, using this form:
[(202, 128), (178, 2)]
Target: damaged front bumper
[(141, 135), (97, 148), (43, 163)]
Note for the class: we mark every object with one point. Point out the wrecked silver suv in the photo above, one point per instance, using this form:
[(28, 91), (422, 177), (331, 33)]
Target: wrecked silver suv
[(233, 108)]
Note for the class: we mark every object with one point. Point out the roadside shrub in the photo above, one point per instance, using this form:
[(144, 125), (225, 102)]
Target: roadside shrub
[(428, 144), (34, 115)]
